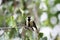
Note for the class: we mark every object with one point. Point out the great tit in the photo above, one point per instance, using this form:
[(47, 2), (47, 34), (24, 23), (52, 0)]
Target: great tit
[(30, 23)]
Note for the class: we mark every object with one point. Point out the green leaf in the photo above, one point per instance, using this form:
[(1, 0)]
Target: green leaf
[(45, 38), (12, 33), (1, 20), (18, 11), (45, 23), (56, 2), (11, 22), (4, 8), (26, 38), (11, 8), (29, 34), (38, 3), (40, 35), (49, 17)]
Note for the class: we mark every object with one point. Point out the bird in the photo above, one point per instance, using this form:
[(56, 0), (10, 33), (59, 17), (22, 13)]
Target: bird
[(30, 23)]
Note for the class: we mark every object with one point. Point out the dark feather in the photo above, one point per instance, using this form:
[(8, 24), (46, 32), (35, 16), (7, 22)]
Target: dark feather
[(34, 25)]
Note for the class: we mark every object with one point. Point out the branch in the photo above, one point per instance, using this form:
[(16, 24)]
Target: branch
[(7, 28), (36, 18)]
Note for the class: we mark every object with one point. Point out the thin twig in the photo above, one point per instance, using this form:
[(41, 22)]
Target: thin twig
[(36, 19), (6, 28)]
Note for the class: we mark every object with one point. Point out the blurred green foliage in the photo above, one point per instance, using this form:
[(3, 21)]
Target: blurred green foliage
[(21, 16)]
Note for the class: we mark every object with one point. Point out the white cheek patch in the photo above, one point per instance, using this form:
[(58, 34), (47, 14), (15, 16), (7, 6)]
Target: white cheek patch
[(32, 18), (26, 23)]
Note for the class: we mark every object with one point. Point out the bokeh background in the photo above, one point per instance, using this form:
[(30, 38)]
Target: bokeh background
[(45, 13)]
